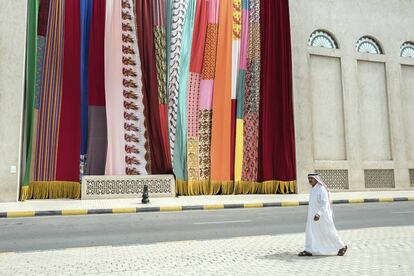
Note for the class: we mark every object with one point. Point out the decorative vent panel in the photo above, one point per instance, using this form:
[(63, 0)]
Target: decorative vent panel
[(94, 187), (335, 179), (375, 179)]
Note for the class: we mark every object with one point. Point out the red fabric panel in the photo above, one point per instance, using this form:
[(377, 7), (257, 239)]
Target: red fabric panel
[(233, 136), (199, 37), (276, 129), (160, 160), (97, 55), (164, 125), (43, 17), (68, 155)]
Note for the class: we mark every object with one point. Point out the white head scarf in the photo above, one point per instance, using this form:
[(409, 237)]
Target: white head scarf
[(322, 183)]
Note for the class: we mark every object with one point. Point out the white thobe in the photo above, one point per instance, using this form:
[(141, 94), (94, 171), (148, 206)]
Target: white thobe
[(321, 235)]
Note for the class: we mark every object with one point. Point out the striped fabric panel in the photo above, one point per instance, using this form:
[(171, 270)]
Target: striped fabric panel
[(49, 107)]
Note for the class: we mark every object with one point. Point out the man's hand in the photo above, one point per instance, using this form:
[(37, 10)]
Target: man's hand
[(316, 218)]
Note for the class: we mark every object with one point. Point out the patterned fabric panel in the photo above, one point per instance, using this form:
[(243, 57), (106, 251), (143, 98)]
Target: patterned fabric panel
[(160, 57), (179, 8), (134, 123), (210, 51), (204, 135)]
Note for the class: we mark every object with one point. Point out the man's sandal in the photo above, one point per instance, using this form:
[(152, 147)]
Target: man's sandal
[(304, 253), (342, 251)]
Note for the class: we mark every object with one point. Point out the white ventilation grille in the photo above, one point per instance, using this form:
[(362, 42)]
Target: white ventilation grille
[(335, 179), (376, 179)]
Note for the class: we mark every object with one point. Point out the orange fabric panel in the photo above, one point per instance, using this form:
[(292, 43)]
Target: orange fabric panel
[(221, 128)]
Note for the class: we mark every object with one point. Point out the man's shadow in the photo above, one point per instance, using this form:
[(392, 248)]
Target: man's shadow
[(291, 257)]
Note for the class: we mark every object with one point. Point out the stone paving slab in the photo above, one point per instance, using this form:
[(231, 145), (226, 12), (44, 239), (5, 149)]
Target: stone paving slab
[(372, 251), (104, 206)]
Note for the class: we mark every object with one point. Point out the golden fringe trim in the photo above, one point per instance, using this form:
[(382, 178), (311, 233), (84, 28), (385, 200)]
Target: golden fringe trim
[(51, 190), (205, 187)]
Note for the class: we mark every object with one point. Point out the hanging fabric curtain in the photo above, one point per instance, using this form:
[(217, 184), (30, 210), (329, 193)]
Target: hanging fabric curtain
[(178, 10), (276, 129), (241, 86), (69, 126), (198, 88), (159, 18), (180, 148), (127, 143), (156, 119), (54, 170), (251, 105), (221, 122), (97, 134), (195, 186), (31, 60), (86, 14)]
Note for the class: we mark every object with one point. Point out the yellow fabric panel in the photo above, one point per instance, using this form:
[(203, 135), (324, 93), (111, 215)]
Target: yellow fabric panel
[(238, 159)]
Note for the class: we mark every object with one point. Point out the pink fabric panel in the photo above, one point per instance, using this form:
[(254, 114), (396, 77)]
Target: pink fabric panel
[(206, 94)]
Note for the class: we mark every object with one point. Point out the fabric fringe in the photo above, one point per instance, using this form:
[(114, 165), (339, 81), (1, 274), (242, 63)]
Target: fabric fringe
[(204, 187), (51, 190)]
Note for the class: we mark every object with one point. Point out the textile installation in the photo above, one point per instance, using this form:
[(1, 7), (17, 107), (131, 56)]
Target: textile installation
[(198, 88)]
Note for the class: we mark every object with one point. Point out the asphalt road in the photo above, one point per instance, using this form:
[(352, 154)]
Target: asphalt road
[(43, 233)]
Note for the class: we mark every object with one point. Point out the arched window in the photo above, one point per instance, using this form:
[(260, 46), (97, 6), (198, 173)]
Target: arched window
[(368, 45), (407, 50), (323, 39)]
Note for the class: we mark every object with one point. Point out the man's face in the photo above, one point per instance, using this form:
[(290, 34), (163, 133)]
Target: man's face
[(312, 181)]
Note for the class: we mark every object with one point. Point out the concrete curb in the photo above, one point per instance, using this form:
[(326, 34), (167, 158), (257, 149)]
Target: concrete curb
[(66, 212)]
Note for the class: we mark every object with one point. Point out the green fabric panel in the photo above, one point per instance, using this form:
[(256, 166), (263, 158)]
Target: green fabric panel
[(180, 150), (31, 59), (241, 86)]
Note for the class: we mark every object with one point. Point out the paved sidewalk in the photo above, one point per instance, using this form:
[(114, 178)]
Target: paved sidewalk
[(372, 251), (102, 206)]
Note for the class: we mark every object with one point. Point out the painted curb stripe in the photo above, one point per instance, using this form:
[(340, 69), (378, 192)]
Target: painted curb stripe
[(171, 208), (253, 205), (290, 203), (48, 213), (370, 200), (18, 214), (124, 210), (384, 199), (74, 212), (99, 211), (356, 200), (233, 206), (15, 214), (272, 204), (400, 198), (341, 201), (193, 207), (213, 206), (147, 209)]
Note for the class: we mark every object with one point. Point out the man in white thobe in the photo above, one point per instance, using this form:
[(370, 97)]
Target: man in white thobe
[(321, 235)]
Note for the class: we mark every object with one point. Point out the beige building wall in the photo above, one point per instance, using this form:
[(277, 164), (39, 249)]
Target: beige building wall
[(12, 64), (354, 112)]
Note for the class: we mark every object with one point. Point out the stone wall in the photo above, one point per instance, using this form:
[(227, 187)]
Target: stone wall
[(354, 112), (12, 66)]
